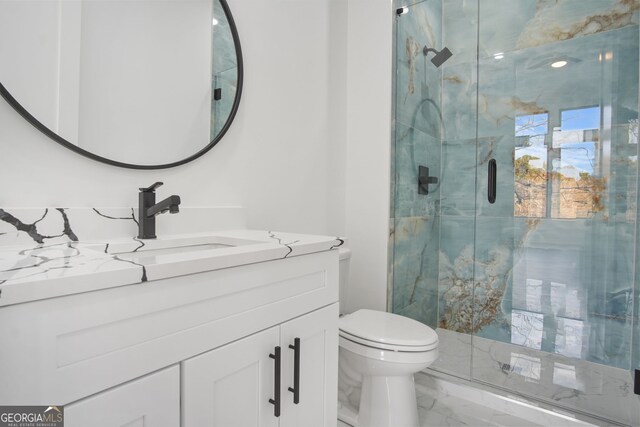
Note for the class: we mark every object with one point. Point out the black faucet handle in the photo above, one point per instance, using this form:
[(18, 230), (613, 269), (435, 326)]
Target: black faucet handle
[(152, 188)]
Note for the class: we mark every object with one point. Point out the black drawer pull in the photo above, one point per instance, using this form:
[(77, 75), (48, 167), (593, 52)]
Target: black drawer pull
[(492, 170), (276, 382), (296, 370)]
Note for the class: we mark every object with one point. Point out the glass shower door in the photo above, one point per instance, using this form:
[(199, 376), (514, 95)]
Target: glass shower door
[(537, 291), (416, 215), (555, 254)]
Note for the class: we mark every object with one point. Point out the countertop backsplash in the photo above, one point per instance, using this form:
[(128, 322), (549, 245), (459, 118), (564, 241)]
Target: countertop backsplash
[(28, 227)]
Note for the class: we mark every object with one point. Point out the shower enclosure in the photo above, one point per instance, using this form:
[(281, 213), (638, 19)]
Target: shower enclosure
[(523, 252)]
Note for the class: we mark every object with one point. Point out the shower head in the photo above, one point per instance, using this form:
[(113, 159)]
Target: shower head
[(441, 56)]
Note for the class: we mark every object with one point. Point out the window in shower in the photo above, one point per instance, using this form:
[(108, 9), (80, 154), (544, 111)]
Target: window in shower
[(557, 174), (576, 187), (530, 160)]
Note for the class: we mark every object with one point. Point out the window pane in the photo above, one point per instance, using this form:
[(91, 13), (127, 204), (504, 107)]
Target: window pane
[(580, 119), (530, 192), (532, 124), (577, 192)]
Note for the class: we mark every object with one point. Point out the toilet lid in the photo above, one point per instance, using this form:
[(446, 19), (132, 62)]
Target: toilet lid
[(387, 330)]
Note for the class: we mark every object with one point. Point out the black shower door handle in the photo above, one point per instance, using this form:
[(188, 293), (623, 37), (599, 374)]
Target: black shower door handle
[(296, 370), (276, 382), (492, 169)]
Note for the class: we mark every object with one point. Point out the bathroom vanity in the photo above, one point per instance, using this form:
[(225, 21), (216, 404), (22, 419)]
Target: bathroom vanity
[(206, 334)]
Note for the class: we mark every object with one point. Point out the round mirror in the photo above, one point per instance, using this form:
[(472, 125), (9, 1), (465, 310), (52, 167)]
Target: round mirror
[(143, 84)]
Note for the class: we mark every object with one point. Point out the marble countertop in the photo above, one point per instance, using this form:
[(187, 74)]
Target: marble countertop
[(47, 270)]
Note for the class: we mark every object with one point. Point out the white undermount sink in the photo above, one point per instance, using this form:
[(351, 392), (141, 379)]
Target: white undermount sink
[(136, 250), (133, 256)]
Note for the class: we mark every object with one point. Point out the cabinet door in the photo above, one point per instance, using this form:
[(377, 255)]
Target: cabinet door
[(318, 382), (153, 400), (232, 385)]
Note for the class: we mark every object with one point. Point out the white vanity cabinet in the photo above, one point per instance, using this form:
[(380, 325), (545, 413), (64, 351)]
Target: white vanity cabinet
[(208, 335), (153, 400), (249, 383)]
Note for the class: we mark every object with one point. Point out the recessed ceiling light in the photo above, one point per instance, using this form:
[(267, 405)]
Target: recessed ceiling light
[(559, 64), (214, 21), (498, 55)]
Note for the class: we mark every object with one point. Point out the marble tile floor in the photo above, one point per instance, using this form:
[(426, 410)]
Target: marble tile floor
[(445, 403)]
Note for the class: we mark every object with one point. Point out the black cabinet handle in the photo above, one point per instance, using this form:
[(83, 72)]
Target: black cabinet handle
[(296, 370), (276, 382), (491, 178)]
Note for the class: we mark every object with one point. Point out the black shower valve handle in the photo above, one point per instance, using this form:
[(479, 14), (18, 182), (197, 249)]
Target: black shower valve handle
[(424, 179)]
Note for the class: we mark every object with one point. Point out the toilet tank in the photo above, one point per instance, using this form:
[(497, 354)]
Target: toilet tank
[(345, 258)]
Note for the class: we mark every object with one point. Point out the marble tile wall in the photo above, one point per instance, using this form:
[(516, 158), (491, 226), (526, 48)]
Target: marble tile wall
[(458, 196), (586, 260), (543, 280), (415, 220), (28, 227)]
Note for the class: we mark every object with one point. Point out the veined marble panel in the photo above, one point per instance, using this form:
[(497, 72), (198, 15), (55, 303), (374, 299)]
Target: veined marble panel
[(42, 255), (496, 244), (418, 81), (459, 96), (497, 103), (29, 226), (460, 30), (563, 287), (390, 259), (593, 388), (523, 82), (479, 404), (554, 288), (458, 187), (455, 273), (414, 148), (415, 268), (454, 350), (532, 23)]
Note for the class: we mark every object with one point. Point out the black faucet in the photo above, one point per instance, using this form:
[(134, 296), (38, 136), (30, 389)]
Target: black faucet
[(148, 209)]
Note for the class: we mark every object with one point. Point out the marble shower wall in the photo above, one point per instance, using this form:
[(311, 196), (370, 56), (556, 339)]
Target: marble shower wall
[(566, 280), (551, 265), (415, 222)]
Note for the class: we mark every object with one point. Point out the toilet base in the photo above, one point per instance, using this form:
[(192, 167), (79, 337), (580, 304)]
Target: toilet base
[(388, 402), (347, 414)]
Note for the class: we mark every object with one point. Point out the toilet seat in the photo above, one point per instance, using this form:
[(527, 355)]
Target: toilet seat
[(387, 331), (390, 347), (388, 356)]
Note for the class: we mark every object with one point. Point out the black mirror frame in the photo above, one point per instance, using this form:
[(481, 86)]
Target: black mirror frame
[(57, 138)]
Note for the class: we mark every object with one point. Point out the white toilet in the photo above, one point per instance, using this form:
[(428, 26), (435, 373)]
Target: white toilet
[(379, 353)]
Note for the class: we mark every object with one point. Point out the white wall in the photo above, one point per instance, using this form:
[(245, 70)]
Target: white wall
[(308, 152), (369, 73), (282, 159)]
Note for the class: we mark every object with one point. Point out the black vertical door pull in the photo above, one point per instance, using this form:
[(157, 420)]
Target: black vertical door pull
[(491, 178), (296, 370), (276, 382)]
